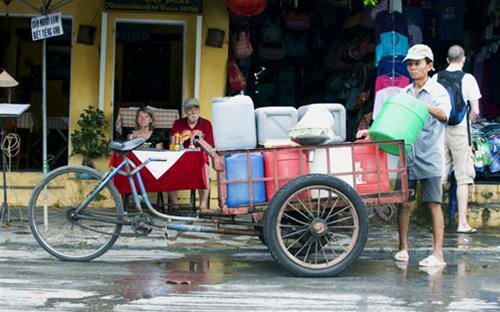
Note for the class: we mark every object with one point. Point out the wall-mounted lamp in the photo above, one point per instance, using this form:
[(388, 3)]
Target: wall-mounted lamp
[(86, 34), (215, 37)]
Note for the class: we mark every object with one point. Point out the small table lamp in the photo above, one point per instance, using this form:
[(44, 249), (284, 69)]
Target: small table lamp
[(6, 81)]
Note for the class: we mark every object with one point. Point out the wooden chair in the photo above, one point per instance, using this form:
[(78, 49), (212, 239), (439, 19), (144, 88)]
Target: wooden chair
[(164, 119)]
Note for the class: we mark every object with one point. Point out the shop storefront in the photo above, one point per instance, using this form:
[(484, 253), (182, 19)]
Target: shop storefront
[(127, 53), (325, 51), (295, 53), (113, 54)]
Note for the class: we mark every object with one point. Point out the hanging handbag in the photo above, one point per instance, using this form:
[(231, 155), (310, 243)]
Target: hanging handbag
[(272, 53), (297, 21), (236, 80), (242, 47)]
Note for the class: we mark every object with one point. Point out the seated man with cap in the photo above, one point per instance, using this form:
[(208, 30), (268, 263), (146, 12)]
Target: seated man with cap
[(192, 125)]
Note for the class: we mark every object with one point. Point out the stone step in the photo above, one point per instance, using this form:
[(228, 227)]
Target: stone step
[(484, 215)]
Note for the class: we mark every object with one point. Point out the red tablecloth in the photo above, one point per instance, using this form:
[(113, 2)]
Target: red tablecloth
[(187, 173)]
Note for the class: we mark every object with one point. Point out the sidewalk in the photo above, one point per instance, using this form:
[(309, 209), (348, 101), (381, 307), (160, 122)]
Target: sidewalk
[(484, 215), (382, 239)]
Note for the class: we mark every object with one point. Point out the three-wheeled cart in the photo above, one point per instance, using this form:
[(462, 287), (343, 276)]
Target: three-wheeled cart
[(308, 204)]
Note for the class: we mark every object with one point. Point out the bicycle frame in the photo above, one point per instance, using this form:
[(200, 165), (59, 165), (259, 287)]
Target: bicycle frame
[(132, 171)]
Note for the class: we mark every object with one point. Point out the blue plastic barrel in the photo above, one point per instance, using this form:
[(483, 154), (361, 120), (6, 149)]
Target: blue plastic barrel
[(237, 169)]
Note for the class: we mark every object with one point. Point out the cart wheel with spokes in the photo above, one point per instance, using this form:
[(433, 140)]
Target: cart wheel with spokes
[(316, 226)]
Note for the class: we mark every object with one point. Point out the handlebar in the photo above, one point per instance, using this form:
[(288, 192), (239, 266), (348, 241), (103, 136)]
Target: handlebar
[(217, 161)]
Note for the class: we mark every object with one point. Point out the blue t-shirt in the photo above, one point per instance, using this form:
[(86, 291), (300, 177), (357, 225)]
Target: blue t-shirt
[(450, 16), (413, 16), (391, 43), (392, 63)]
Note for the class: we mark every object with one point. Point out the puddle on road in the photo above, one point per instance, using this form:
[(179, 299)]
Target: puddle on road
[(158, 278), (198, 277)]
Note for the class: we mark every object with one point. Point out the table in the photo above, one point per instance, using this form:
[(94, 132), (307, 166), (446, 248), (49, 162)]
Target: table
[(183, 170)]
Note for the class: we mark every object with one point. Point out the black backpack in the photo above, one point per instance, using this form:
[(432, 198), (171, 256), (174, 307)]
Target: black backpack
[(452, 81)]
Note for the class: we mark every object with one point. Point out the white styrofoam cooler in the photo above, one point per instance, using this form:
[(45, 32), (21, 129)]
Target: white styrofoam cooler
[(274, 123), (340, 162), (339, 119), (233, 122)]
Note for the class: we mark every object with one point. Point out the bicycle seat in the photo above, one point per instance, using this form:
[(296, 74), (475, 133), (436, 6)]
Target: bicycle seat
[(127, 145)]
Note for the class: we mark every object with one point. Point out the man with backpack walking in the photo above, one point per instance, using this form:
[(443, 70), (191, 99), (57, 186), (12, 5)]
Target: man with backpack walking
[(464, 95)]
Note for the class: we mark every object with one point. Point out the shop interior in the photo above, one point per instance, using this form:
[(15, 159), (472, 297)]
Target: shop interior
[(22, 59), (295, 53)]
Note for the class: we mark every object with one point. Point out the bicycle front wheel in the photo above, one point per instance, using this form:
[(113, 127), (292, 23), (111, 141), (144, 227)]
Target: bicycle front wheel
[(81, 237)]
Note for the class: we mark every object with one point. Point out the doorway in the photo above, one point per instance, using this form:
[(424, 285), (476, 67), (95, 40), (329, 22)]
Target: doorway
[(148, 67)]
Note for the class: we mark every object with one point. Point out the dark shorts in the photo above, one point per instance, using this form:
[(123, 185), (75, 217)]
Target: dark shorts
[(431, 188)]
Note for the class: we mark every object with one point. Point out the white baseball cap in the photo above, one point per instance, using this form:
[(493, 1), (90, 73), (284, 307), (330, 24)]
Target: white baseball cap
[(418, 52)]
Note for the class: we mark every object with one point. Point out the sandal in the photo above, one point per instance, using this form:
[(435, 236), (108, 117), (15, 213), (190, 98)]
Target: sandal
[(431, 261), (469, 231), (402, 256), (432, 270)]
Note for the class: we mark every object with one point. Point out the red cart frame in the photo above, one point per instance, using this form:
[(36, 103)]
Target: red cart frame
[(378, 198)]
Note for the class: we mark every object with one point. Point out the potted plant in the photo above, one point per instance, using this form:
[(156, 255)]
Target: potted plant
[(89, 140)]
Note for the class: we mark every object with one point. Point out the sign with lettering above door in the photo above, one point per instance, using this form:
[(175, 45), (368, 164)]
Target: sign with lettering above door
[(175, 6)]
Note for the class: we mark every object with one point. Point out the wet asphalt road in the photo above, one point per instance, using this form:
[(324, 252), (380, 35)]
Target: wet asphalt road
[(210, 272)]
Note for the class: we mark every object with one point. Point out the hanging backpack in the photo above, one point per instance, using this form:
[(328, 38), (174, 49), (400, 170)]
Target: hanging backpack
[(452, 81), (271, 33)]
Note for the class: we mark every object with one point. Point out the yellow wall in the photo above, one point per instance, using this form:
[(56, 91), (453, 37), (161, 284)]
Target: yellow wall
[(85, 59), (213, 71)]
